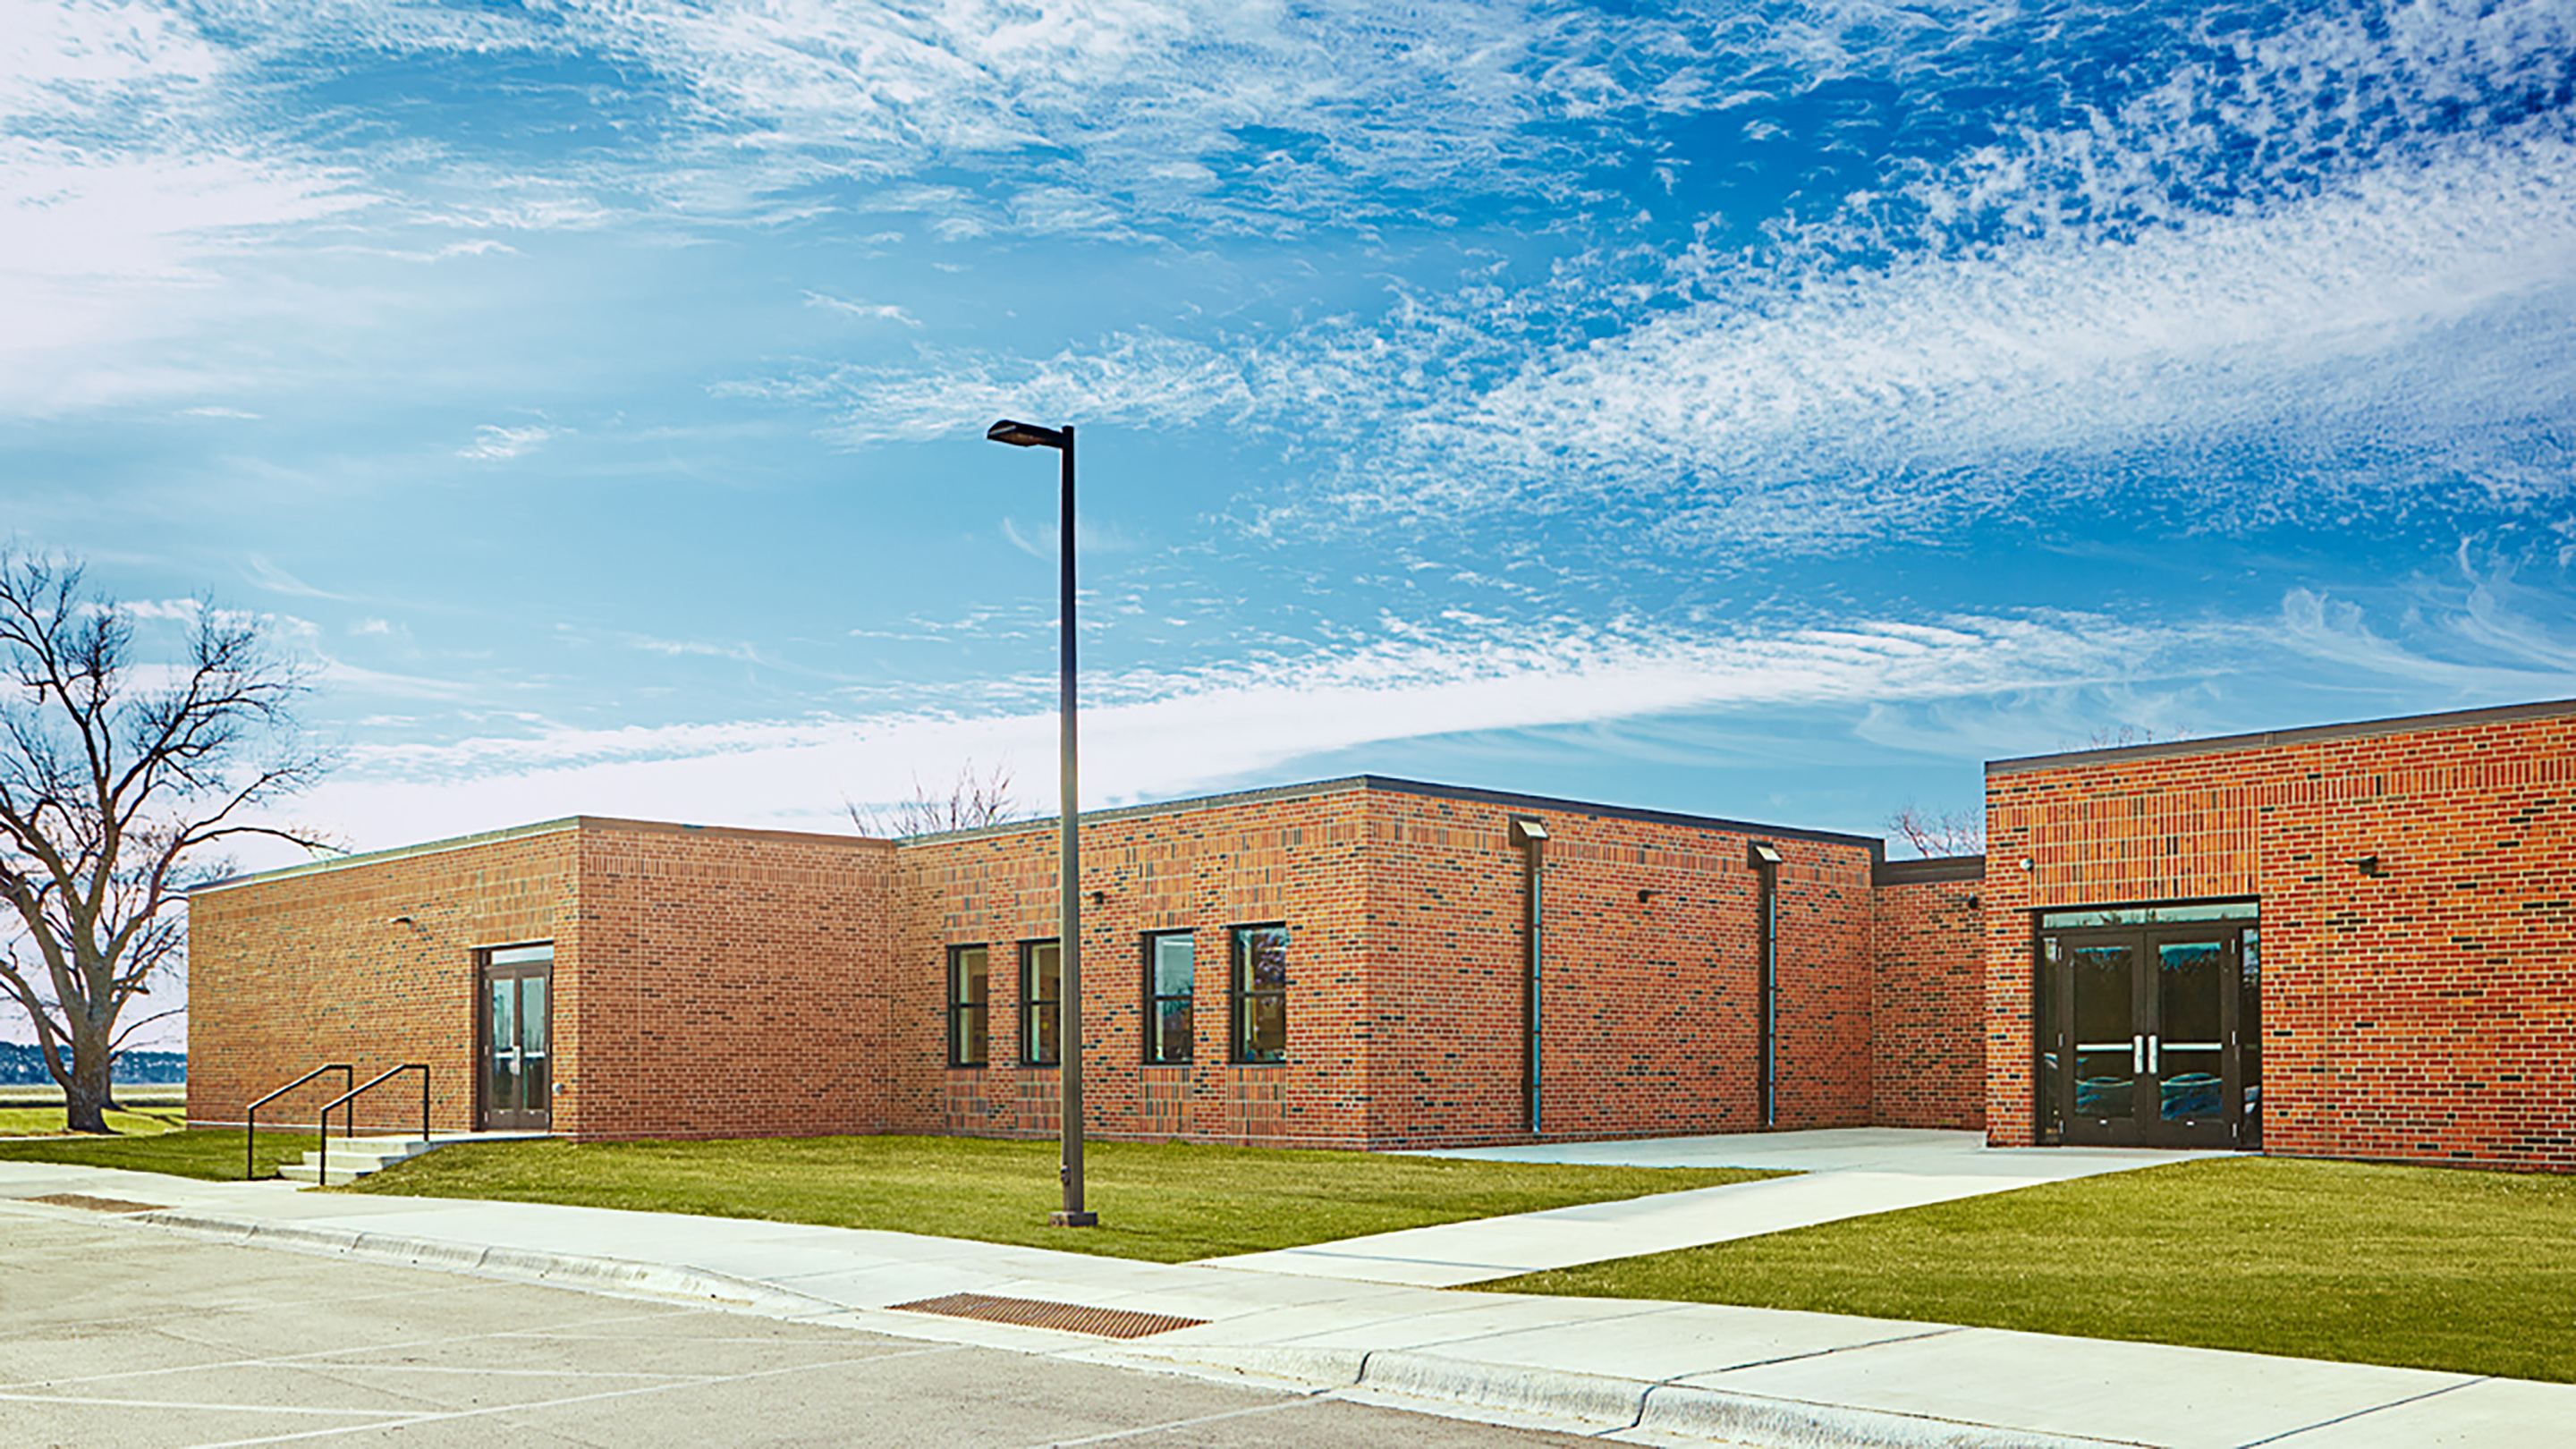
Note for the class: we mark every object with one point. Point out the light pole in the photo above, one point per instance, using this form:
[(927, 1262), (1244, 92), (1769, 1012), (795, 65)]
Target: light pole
[(1068, 849)]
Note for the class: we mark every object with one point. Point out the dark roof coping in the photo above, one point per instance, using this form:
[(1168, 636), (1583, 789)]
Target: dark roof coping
[(524, 832), (1348, 784), (2278, 739), (1929, 869)]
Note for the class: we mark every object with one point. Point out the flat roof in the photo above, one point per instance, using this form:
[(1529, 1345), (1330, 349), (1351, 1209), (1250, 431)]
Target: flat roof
[(524, 832), (1343, 785), (2276, 739), (1389, 784)]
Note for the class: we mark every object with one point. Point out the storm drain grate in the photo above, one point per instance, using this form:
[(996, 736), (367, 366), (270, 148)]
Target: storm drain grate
[(1036, 1313), (96, 1204)]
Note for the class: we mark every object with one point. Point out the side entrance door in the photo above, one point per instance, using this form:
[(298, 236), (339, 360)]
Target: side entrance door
[(515, 1083), (2148, 1033)]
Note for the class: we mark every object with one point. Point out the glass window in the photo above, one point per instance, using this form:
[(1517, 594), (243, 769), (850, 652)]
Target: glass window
[(1041, 1001), (966, 993), (1260, 994), (1170, 966), (2148, 915)]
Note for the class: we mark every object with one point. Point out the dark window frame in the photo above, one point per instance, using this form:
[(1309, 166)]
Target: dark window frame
[(1034, 1008), (1242, 996), (1154, 1000), (961, 1008)]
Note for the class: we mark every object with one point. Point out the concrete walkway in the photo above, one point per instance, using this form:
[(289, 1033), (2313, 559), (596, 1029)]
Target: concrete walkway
[(1628, 1371), (1844, 1173)]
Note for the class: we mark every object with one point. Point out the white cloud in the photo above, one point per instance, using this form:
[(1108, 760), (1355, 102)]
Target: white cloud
[(871, 311), (493, 443), (1148, 735)]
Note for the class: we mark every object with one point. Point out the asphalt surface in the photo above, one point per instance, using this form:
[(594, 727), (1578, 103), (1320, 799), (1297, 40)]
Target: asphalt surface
[(111, 1335)]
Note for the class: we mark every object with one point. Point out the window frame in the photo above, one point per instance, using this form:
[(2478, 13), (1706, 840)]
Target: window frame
[(961, 1007), (1034, 1008), (1154, 1000), (1242, 996)]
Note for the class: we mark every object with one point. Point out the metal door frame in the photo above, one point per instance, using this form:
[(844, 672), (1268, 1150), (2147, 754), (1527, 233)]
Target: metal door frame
[(2053, 1023), (541, 1116)]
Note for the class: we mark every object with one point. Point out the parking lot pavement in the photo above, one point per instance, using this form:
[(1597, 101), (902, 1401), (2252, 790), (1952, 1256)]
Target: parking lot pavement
[(113, 1335)]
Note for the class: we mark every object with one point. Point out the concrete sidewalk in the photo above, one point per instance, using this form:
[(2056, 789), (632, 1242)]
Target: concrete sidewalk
[(1843, 1173), (1633, 1372)]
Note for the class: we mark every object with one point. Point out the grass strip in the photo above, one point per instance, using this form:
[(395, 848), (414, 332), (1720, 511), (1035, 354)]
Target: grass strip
[(1163, 1202), (2419, 1267), (214, 1154), (49, 1121)]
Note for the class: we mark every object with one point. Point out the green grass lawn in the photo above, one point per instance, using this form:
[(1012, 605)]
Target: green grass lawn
[(26, 1121), (214, 1154), (2425, 1267), (1165, 1202)]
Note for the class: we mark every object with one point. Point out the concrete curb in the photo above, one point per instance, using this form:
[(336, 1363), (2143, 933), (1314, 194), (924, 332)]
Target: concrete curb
[(565, 1270), (1687, 1411), (1601, 1402)]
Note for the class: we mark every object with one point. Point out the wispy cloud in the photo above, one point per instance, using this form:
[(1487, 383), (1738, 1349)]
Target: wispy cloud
[(494, 443)]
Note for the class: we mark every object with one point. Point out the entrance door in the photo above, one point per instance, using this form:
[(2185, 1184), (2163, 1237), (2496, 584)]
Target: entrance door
[(2149, 1031), (516, 1082)]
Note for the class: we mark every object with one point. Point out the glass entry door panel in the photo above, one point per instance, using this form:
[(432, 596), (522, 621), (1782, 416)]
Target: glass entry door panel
[(2185, 1054), (516, 1081), (2147, 1034), (2106, 1036)]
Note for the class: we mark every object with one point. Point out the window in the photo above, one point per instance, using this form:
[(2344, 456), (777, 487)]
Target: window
[(1041, 1001), (1169, 1029), (1260, 994), (966, 991)]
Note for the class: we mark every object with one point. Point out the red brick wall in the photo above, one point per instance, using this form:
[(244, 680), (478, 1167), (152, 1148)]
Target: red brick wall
[(1404, 913), (293, 971), (1928, 1005), (731, 984), (2427, 1013), (1296, 860), (1648, 1022)]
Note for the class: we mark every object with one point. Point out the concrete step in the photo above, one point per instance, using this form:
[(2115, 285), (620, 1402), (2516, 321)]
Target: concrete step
[(355, 1157)]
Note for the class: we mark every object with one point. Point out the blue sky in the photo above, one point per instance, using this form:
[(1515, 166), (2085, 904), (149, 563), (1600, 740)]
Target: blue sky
[(1763, 410)]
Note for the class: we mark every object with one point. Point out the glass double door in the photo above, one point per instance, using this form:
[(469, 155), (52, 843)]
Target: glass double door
[(2150, 1036), (517, 1076)]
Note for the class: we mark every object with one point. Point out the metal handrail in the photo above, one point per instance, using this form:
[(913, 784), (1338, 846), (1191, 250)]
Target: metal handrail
[(322, 1172), (250, 1117)]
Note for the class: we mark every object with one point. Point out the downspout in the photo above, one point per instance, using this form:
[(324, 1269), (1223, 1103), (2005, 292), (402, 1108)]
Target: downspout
[(1531, 836), (1765, 862)]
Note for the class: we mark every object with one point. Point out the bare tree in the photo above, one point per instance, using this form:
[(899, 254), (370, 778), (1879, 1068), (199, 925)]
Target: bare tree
[(1951, 832), (971, 800), (116, 781)]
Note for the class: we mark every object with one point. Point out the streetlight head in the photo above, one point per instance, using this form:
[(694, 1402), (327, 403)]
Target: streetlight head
[(1025, 435)]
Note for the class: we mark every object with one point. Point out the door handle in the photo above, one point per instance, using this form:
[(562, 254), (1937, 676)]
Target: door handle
[(2152, 1068), (2137, 1055)]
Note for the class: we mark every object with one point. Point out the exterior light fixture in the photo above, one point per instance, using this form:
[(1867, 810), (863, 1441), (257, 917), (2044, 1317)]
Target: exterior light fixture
[(2367, 865), (1069, 846)]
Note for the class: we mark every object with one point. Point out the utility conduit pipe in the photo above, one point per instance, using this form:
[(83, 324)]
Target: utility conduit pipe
[(1765, 862), (1531, 836)]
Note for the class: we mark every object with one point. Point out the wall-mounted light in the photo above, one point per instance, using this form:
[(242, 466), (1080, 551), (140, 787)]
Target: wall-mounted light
[(1098, 897), (1644, 895), (401, 921), (2028, 864), (1758, 855), (2367, 865)]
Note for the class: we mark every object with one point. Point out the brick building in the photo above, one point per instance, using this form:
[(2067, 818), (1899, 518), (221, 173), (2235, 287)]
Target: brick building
[(1341, 964), (2352, 940)]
